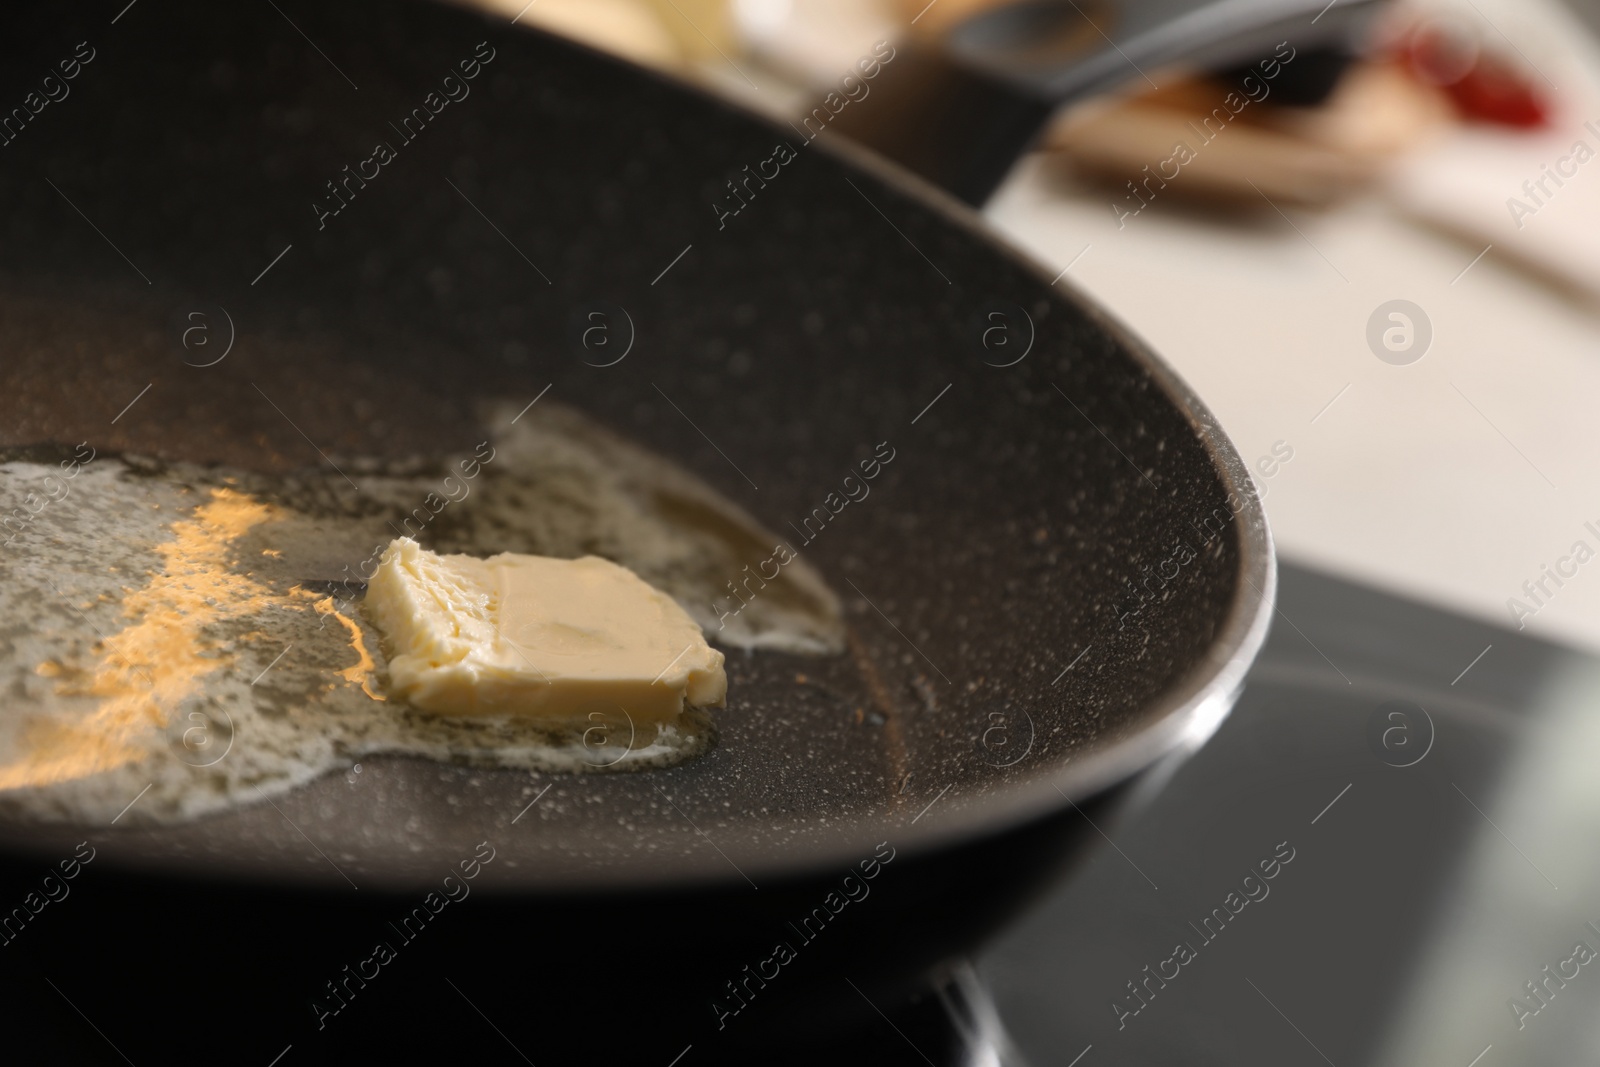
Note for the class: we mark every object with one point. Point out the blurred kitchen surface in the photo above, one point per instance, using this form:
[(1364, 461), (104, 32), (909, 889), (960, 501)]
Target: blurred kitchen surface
[(1457, 477)]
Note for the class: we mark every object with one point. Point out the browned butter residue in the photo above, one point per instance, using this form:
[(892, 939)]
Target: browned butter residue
[(148, 668), (361, 673)]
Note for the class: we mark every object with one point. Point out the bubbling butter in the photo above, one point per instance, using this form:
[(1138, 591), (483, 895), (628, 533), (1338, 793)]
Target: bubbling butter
[(193, 636), (517, 634)]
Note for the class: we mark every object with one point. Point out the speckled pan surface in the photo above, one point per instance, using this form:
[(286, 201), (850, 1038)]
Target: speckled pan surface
[(1061, 574)]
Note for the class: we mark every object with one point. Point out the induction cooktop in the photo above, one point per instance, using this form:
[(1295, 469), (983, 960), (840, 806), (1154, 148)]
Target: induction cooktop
[(1386, 856)]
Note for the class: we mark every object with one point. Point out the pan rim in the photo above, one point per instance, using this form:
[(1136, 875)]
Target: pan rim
[(1189, 711)]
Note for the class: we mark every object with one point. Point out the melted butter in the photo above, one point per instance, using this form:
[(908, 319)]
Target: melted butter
[(159, 659), (224, 678)]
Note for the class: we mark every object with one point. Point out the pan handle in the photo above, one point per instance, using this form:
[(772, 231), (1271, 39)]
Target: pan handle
[(961, 110)]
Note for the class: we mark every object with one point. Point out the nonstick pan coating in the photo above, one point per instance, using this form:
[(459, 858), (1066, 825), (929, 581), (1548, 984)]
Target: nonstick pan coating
[(1014, 534)]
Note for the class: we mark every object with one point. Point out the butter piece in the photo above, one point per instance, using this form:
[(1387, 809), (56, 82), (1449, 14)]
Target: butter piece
[(530, 635)]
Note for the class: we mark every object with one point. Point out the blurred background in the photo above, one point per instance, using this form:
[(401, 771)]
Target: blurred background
[(1391, 300)]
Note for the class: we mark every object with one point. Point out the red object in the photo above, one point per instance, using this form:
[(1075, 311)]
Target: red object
[(1497, 92), (1482, 86)]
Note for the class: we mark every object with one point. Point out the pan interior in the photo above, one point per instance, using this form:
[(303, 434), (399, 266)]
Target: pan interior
[(1050, 550)]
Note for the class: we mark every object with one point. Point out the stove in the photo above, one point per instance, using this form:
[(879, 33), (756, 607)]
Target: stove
[(1385, 856)]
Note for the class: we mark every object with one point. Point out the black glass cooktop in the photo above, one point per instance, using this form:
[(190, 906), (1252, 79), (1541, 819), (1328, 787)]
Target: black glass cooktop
[(1388, 855)]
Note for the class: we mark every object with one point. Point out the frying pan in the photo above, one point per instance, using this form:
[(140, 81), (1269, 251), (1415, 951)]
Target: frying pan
[(1024, 652)]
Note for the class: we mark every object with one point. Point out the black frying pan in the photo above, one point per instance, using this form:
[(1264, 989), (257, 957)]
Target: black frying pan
[(1015, 535)]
